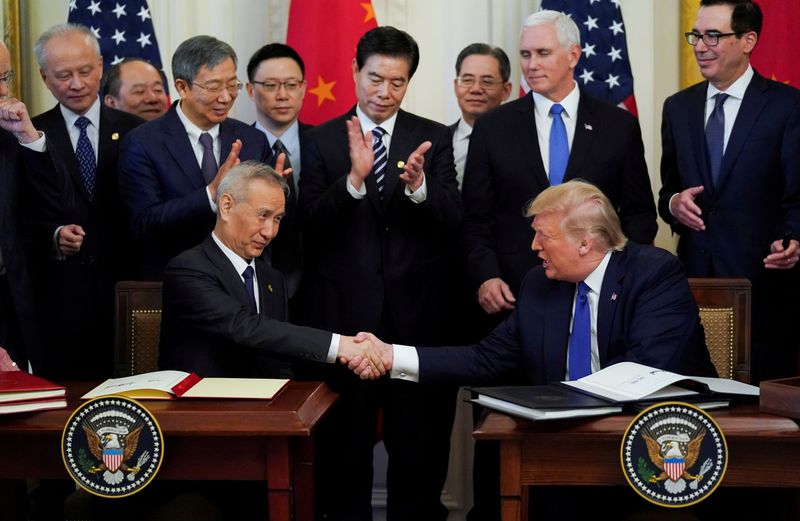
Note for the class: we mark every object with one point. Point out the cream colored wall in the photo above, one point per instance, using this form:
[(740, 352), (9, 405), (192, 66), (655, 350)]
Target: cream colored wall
[(441, 27)]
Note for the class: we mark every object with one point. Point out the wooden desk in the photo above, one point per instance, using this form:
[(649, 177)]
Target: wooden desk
[(258, 440), (764, 451)]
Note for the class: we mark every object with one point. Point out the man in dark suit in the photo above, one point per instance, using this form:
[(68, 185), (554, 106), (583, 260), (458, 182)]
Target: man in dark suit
[(554, 133), (224, 306), (595, 301), (730, 169), (171, 167), (277, 86), (75, 276), (481, 84), (380, 208)]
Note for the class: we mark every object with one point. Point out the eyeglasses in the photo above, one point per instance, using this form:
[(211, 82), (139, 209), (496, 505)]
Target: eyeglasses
[(710, 39), (274, 86), (8, 78), (486, 82), (215, 88)]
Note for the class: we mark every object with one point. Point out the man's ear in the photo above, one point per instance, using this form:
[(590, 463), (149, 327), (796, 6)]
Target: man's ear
[(225, 206)]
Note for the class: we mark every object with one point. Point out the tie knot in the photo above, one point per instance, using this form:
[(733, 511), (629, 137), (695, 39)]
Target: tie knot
[(247, 274), (206, 140), (556, 109), (82, 122), (583, 289), (279, 148), (378, 132), (720, 100)]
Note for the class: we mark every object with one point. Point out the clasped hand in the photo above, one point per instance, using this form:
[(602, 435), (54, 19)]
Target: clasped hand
[(366, 355)]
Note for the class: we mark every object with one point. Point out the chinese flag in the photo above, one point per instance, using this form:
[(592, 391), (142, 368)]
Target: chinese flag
[(326, 34), (777, 55)]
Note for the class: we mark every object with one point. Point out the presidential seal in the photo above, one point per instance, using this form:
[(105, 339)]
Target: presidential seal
[(112, 446), (674, 454)]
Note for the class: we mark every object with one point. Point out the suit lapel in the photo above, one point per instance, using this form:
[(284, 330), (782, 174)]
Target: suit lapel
[(528, 140), (558, 314), (585, 129), (177, 143), (271, 300), (227, 273), (755, 98), (609, 298), (403, 143), (58, 135)]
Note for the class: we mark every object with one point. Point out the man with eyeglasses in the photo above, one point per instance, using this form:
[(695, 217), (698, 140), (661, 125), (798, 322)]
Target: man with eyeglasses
[(481, 84), (730, 169), (277, 86), (170, 167), (85, 251)]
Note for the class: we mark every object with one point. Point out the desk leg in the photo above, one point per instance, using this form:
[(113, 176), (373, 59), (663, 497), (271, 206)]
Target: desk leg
[(512, 506), (279, 479)]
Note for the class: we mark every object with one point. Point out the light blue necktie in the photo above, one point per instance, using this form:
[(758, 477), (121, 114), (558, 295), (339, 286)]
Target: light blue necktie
[(580, 341), (380, 158), (87, 163), (247, 274), (559, 146), (715, 136)]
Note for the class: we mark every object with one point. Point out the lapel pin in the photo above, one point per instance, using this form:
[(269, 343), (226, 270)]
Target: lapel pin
[(269, 288), (613, 296), (115, 136), (587, 126), (401, 164)]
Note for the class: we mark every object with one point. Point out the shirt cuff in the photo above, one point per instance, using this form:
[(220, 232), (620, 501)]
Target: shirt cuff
[(421, 194), (333, 350), (211, 200), (357, 194), (38, 145), (56, 252), (669, 204), (405, 363)]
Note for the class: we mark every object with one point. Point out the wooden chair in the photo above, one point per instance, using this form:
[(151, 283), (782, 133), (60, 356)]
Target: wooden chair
[(725, 313), (137, 325)]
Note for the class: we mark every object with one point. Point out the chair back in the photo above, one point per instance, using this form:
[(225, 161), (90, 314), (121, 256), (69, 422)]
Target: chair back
[(725, 313), (137, 324)]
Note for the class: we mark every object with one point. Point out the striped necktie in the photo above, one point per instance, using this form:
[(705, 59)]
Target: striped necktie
[(381, 158)]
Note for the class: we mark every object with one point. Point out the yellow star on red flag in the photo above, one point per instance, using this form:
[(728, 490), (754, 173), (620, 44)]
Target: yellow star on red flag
[(323, 91), (370, 12)]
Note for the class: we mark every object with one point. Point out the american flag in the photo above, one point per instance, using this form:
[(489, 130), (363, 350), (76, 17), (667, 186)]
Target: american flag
[(604, 70), (124, 28)]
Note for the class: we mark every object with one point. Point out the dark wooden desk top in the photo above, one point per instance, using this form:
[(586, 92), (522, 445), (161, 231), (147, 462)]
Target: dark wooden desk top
[(293, 412), (741, 422)]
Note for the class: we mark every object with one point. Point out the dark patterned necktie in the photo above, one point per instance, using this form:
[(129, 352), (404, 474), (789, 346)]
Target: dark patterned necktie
[(715, 136), (209, 164), (247, 274), (380, 158), (87, 163)]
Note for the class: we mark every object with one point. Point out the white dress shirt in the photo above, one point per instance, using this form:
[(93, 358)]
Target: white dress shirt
[(405, 365), (193, 131), (92, 130), (731, 107), (544, 120), (460, 148)]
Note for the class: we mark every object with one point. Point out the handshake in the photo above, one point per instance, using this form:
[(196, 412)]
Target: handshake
[(366, 355)]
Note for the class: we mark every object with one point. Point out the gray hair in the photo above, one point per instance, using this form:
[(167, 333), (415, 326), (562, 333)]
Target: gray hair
[(63, 30), (566, 30), (237, 181), (197, 52)]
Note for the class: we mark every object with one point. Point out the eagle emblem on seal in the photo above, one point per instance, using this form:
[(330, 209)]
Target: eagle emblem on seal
[(113, 446)]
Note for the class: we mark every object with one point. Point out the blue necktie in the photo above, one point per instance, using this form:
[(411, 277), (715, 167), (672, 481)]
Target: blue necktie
[(559, 146), (209, 165), (580, 341), (247, 274), (87, 163), (715, 136), (380, 158)]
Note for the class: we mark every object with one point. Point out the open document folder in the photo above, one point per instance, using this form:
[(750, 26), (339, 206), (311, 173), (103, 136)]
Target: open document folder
[(608, 391), (169, 385)]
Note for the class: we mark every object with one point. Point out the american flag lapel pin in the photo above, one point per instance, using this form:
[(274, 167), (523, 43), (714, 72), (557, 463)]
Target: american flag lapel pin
[(587, 126), (613, 296)]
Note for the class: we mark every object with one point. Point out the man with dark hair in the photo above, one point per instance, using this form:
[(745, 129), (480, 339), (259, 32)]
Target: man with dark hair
[(170, 168), (481, 84), (137, 87), (380, 208), (730, 169), (277, 86), (75, 277)]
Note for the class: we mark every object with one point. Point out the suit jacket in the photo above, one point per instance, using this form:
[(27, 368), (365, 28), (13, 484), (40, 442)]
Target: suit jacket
[(76, 294), (377, 260), (757, 196), (208, 326), (646, 314), (504, 171), (164, 190), (26, 179)]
